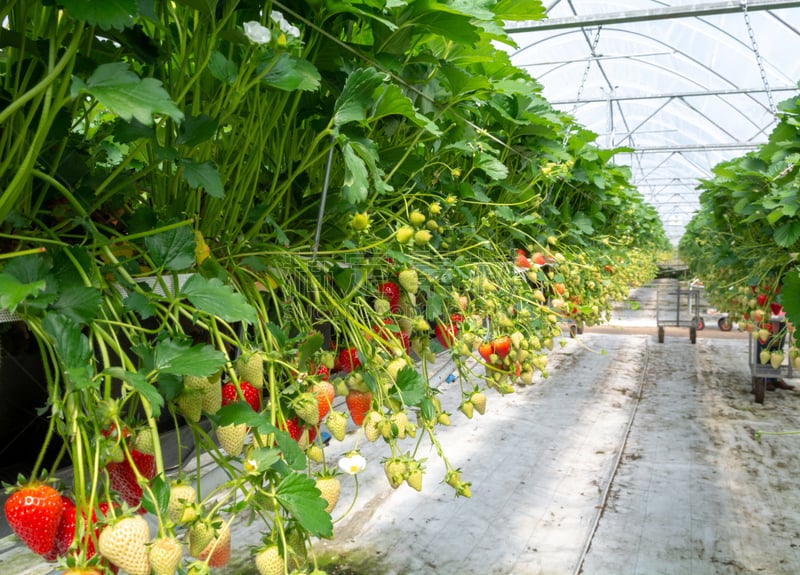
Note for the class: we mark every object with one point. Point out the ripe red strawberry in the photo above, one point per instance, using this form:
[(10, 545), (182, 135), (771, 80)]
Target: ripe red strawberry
[(348, 359), (486, 350), (521, 260), (33, 512), (391, 291), (323, 372), (301, 434), (358, 403), (502, 345), (250, 393), (325, 392), (123, 477), (446, 333)]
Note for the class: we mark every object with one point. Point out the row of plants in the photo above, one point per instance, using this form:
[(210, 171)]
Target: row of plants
[(261, 222), (744, 241)]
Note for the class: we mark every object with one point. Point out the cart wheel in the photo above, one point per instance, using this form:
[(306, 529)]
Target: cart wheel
[(724, 324), (701, 324), (693, 334), (573, 330), (580, 328), (660, 334), (759, 388)]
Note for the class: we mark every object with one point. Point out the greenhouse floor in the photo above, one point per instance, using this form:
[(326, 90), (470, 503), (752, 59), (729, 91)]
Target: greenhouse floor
[(574, 475)]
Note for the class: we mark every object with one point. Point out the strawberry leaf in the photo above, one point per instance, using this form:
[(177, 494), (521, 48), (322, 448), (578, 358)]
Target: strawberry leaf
[(107, 14), (310, 346), (790, 296), (203, 175), (410, 386), (80, 303), (215, 298), (182, 358), (13, 292), (155, 500), (172, 249), (72, 348), (138, 381), (298, 494)]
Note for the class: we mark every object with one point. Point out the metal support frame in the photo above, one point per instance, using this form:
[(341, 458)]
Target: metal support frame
[(666, 13)]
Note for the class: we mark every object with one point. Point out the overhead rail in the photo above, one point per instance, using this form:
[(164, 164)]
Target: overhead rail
[(665, 13), (674, 95)]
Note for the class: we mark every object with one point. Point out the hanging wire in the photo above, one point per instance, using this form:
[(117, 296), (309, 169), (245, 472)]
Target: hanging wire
[(759, 60)]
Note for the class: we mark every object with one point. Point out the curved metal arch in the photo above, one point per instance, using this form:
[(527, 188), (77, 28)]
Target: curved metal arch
[(669, 71)]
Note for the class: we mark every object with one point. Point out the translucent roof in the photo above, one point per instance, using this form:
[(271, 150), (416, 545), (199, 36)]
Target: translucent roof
[(687, 84)]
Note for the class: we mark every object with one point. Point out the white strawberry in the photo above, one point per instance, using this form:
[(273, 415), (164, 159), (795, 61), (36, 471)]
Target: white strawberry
[(124, 544)]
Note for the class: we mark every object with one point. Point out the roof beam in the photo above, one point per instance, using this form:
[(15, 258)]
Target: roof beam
[(666, 13), (694, 148), (730, 92)]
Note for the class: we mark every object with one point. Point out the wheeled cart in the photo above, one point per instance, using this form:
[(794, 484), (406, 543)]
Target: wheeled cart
[(677, 305), (762, 372)]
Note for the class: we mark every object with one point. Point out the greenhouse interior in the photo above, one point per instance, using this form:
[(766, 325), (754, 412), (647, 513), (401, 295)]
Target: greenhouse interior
[(369, 287)]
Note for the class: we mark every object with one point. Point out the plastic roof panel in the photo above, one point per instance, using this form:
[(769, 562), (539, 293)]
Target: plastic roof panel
[(686, 84)]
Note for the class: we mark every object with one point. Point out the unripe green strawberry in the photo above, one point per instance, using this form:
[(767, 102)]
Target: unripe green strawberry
[(231, 438), (190, 404), (124, 544), (250, 368), (400, 422), (478, 400), (404, 234), (417, 218), (143, 441), (337, 424), (372, 425), (269, 561), (200, 535), (414, 478), (165, 554), (467, 409), (422, 237), (315, 453), (409, 280), (212, 396), (182, 498), (330, 489), (396, 470), (305, 406)]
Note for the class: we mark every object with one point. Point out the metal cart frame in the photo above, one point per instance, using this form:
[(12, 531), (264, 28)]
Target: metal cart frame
[(677, 306), (761, 372)]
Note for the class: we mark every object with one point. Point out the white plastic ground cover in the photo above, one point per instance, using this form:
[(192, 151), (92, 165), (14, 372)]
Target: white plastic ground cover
[(687, 84)]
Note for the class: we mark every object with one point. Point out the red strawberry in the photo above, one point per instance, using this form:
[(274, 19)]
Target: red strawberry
[(521, 260), (538, 259), (446, 333), (297, 431), (775, 308), (501, 346), (348, 359), (323, 372), (761, 299), (486, 350), (325, 393), (123, 478), (250, 393), (66, 530), (391, 291), (358, 402), (33, 512)]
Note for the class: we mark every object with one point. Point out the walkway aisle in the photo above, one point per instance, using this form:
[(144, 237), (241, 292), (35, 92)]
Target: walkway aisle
[(538, 462), (695, 493)]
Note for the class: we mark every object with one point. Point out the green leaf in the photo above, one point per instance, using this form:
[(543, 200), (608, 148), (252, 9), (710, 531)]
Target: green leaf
[(356, 97), (72, 348), (172, 249), (264, 457), (104, 14), (298, 495), (215, 298), (521, 10), (787, 234), (207, 6), (138, 381), (140, 304), (391, 101), (289, 73), (80, 303), (203, 175), (411, 385), (13, 292), (583, 223), (355, 187), (309, 347), (222, 69), (790, 296), (196, 130), (156, 499), (183, 358), (491, 166), (122, 91)]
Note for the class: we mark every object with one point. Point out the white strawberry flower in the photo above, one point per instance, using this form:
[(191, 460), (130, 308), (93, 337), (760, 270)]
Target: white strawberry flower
[(286, 27), (352, 463), (257, 33)]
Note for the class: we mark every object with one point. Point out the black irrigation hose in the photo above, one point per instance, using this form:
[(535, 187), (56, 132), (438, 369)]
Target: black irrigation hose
[(609, 484)]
